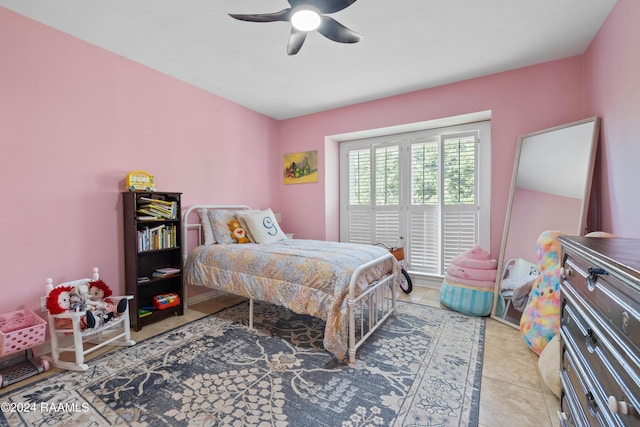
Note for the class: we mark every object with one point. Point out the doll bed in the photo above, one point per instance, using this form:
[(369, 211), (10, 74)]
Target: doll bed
[(349, 286)]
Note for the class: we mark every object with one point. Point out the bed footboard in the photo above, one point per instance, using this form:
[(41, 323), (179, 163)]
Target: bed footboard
[(368, 310), (372, 306)]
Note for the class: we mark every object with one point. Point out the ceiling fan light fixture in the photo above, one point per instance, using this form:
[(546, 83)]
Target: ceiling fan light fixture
[(306, 19)]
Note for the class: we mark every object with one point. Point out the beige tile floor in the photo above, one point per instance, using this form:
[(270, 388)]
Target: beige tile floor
[(512, 391)]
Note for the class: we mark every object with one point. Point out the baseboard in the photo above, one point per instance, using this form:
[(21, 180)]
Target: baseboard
[(203, 297), (45, 348), (426, 282)]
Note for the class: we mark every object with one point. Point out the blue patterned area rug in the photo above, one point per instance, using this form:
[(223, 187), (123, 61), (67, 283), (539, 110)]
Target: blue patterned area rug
[(422, 368)]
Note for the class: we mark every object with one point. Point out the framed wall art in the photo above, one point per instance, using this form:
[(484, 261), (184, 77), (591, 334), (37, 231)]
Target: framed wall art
[(301, 168)]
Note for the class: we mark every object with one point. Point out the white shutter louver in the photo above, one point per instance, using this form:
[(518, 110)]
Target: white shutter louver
[(387, 227), (387, 175), (460, 230), (360, 177), (360, 225), (424, 240), (422, 186)]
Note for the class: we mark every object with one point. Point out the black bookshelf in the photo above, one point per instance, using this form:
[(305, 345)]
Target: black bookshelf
[(152, 240)]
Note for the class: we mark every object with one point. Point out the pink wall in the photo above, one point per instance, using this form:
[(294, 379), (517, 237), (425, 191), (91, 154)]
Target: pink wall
[(612, 63), (522, 101), (74, 120)]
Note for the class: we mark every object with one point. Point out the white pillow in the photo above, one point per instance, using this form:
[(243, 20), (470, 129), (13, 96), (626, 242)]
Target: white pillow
[(207, 231), (240, 216), (220, 219), (263, 226)]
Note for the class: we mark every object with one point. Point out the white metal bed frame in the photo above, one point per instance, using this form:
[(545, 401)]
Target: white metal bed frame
[(366, 311)]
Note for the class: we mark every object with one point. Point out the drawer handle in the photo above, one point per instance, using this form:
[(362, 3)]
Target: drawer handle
[(593, 276), (625, 322), (591, 402), (592, 340), (616, 406), (565, 271)]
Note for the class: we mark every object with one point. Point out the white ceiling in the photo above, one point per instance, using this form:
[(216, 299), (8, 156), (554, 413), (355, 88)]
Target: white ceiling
[(408, 44)]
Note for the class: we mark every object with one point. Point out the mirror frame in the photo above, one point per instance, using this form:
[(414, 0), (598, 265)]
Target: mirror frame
[(583, 210)]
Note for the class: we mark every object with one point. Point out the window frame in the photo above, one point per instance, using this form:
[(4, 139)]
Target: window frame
[(483, 184)]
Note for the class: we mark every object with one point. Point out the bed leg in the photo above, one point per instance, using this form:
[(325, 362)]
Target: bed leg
[(250, 313), (352, 330)]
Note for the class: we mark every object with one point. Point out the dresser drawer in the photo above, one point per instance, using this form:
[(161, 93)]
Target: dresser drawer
[(614, 383), (570, 413), (609, 297), (578, 402), (600, 331)]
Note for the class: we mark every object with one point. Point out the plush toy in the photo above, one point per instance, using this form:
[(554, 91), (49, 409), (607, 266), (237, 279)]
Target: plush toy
[(549, 366), (59, 299), (76, 303), (469, 282), (98, 294), (237, 232), (64, 298), (540, 321)]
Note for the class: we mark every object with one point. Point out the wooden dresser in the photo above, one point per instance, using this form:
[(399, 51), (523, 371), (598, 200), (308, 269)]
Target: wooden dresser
[(600, 332)]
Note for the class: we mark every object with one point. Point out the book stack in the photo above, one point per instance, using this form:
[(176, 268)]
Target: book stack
[(160, 237), (165, 272), (154, 209)]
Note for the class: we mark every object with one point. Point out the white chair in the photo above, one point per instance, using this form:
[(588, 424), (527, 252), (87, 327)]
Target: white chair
[(67, 325)]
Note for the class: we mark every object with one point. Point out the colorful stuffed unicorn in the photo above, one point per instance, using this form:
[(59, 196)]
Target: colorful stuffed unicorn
[(540, 321)]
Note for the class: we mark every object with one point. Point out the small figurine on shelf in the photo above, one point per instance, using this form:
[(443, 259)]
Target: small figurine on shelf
[(140, 181)]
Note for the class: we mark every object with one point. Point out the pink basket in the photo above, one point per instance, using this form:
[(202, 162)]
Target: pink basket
[(20, 330)]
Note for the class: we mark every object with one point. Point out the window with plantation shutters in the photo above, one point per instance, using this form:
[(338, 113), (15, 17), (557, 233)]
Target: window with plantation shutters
[(422, 187)]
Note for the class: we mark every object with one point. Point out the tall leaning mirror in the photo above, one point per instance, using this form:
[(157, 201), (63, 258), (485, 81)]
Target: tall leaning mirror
[(550, 190)]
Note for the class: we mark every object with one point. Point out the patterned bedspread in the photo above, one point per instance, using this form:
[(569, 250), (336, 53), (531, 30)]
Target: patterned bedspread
[(306, 276)]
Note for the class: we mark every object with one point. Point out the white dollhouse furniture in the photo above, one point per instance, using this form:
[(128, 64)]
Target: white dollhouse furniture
[(65, 327)]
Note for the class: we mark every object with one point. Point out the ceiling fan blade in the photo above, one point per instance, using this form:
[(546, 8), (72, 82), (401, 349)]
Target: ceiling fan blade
[(296, 39), (283, 15), (324, 6), (333, 30)]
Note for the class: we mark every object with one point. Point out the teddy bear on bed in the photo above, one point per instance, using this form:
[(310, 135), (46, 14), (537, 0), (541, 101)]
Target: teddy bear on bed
[(237, 232)]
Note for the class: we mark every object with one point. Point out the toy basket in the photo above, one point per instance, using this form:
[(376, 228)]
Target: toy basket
[(20, 330), (396, 251)]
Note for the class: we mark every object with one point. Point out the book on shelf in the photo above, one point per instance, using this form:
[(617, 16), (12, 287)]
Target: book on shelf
[(168, 270), (143, 279), (147, 218), (162, 236), (166, 209), (165, 272), (159, 201)]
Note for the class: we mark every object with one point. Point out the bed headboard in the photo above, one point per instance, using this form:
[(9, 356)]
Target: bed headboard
[(191, 222)]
